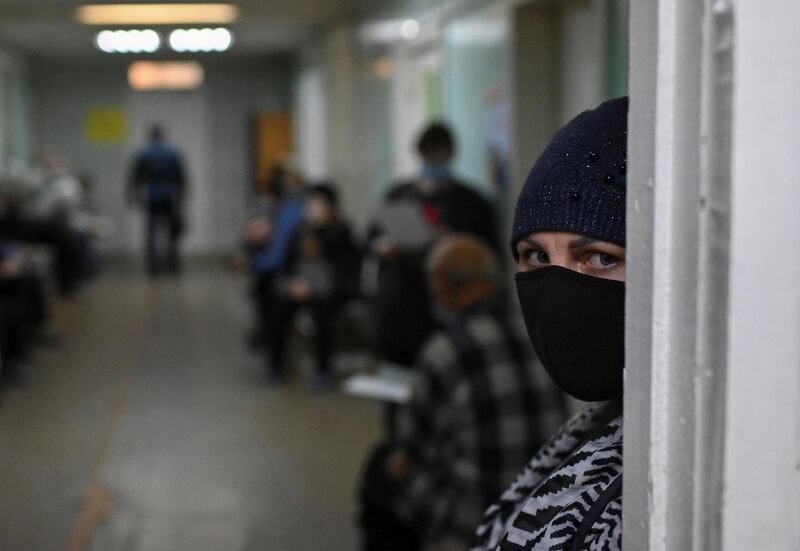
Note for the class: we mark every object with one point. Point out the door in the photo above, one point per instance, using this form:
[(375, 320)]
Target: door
[(272, 142)]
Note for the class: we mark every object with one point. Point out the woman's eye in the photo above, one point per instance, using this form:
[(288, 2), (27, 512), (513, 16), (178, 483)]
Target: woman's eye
[(602, 260), (538, 257)]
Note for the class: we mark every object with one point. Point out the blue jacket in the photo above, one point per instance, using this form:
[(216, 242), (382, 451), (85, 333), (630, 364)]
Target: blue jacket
[(159, 172), (276, 254)]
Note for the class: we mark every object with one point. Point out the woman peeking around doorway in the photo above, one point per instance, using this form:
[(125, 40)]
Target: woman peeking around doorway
[(569, 242)]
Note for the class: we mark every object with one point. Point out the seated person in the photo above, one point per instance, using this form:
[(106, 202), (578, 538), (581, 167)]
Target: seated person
[(54, 233), (480, 407), (321, 277), (272, 240), (258, 234), (413, 214), (16, 317), (21, 284), (13, 347)]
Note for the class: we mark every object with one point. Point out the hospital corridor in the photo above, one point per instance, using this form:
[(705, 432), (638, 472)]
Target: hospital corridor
[(399, 275), (160, 438)]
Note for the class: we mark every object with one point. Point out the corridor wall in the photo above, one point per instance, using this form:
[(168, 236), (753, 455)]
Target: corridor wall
[(15, 111), (233, 91), (477, 94), (473, 64), (390, 88)]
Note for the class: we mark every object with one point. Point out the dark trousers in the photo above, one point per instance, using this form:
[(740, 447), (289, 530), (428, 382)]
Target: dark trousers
[(381, 528), (162, 232), (65, 244), (14, 337), (262, 293), (25, 294), (281, 314)]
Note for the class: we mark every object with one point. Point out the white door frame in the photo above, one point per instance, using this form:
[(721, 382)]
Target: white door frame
[(712, 402)]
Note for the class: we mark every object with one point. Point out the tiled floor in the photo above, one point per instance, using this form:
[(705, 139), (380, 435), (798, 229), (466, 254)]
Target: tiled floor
[(150, 430)]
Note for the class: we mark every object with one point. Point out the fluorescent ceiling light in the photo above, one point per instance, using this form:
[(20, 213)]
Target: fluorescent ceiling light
[(200, 40), (409, 29), (133, 41), (392, 30), (165, 75), (156, 14)]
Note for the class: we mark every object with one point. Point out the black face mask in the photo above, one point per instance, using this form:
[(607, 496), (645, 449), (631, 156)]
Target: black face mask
[(576, 323)]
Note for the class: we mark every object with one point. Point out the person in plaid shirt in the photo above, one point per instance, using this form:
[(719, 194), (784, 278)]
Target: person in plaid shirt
[(480, 407)]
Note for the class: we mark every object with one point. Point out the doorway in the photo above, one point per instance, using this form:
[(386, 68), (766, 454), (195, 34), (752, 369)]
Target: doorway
[(183, 115)]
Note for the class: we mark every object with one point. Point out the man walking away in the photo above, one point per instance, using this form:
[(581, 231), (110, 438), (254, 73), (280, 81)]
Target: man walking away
[(158, 184)]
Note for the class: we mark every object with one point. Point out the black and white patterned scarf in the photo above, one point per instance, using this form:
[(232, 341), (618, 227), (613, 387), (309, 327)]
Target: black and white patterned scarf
[(568, 498)]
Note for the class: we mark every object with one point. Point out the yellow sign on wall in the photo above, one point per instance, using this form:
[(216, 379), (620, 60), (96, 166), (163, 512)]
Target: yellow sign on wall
[(106, 125)]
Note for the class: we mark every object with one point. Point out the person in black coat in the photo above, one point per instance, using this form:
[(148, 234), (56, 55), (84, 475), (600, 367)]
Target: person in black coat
[(323, 274), (415, 213)]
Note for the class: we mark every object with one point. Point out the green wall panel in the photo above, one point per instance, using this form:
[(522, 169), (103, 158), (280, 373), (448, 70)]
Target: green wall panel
[(476, 87)]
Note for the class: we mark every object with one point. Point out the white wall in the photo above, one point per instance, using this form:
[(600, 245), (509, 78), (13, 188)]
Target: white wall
[(412, 66), (582, 51), (15, 109), (330, 124), (62, 96), (477, 86), (233, 91), (310, 115), (560, 69), (762, 456), (343, 124)]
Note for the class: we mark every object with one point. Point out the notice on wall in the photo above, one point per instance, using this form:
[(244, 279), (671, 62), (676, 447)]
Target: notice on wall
[(106, 125)]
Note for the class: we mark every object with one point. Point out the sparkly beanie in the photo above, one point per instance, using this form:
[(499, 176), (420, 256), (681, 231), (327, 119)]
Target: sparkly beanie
[(578, 184)]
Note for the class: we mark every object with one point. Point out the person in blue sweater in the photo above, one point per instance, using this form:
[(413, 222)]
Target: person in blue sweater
[(158, 184), (273, 259)]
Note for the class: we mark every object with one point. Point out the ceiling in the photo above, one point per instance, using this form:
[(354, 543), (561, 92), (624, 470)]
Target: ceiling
[(45, 28)]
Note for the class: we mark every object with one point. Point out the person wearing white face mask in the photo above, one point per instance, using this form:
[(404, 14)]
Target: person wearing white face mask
[(568, 239), (414, 214)]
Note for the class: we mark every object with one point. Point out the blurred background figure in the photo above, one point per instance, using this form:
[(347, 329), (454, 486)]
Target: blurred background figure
[(65, 197), (272, 242), (47, 240), (158, 185), (23, 312), (480, 406), (415, 213), (323, 274), (39, 206)]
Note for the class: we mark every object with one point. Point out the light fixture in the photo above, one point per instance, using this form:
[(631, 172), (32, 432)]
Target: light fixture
[(390, 31), (200, 40), (409, 29), (165, 75), (156, 14), (134, 41)]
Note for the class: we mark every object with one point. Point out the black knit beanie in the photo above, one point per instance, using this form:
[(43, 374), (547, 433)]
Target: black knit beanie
[(578, 184)]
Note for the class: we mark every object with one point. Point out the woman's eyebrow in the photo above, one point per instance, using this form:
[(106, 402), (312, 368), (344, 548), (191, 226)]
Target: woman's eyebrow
[(581, 242), (532, 242)]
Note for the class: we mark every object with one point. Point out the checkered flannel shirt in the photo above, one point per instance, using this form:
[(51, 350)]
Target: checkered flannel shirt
[(482, 405)]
